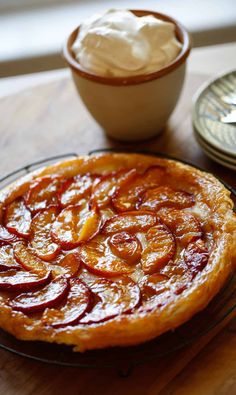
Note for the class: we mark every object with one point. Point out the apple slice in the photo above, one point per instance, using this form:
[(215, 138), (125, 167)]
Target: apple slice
[(70, 264), (18, 218), (77, 304), (28, 260), (49, 296), (18, 281), (75, 189), (103, 191), (160, 249), (112, 299), (5, 236), (131, 221), (196, 256), (155, 290), (98, 258), (164, 196), (74, 225), (41, 240), (43, 193), (185, 226), (128, 194), (7, 261), (125, 246), (154, 284)]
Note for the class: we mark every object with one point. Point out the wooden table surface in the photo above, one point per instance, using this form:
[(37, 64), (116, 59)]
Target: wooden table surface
[(48, 120)]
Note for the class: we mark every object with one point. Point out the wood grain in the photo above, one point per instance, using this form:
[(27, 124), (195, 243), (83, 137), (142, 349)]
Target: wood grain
[(49, 120)]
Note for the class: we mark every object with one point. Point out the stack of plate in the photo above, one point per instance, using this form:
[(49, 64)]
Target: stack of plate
[(214, 119)]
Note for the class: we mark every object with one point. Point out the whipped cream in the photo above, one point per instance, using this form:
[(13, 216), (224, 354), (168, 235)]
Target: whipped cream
[(120, 44)]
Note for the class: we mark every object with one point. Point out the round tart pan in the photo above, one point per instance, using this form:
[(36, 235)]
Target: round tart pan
[(124, 358)]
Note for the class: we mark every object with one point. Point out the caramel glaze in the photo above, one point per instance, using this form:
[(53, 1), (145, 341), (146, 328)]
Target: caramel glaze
[(138, 243)]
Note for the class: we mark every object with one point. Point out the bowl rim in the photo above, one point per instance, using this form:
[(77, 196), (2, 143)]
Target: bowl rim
[(181, 33)]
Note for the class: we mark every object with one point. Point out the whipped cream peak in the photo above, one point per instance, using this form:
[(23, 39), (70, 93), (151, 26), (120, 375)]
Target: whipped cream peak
[(120, 44)]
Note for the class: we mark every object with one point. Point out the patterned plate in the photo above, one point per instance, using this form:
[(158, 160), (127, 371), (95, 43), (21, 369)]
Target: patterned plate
[(208, 110)]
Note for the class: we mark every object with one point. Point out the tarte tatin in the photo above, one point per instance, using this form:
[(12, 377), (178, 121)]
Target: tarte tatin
[(111, 249)]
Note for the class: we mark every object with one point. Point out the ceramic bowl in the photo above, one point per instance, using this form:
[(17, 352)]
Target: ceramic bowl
[(135, 107)]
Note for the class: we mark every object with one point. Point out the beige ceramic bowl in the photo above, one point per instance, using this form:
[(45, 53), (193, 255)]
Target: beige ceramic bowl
[(136, 107)]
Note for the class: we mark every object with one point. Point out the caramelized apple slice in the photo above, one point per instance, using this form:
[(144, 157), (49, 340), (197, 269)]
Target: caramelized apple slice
[(71, 264), (164, 196), (28, 260), (76, 189), (41, 240), (196, 256), (103, 191), (154, 284), (125, 246), (18, 281), (49, 296), (184, 225), (127, 195), (156, 291), (131, 221), (154, 281), (5, 236), (112, 299), (98, 258), (7, 261), (43, 193), (18, 218), (78, 302), (160, 249), (175, 268), (74, 225)]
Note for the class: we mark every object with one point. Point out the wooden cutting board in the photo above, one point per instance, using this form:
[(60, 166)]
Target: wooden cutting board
[(48, 120)]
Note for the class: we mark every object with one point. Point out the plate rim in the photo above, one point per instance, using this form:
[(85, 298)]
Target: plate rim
[(217, 154)]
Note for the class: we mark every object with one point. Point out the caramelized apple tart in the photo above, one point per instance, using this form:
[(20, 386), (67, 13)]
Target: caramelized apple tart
[(112, 249)]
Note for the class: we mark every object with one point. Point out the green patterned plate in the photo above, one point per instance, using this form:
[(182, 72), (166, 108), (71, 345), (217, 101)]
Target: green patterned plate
[(208, 109)]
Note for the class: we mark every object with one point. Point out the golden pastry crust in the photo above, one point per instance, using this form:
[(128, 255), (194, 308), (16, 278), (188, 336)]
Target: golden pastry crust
[(150, 317)]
